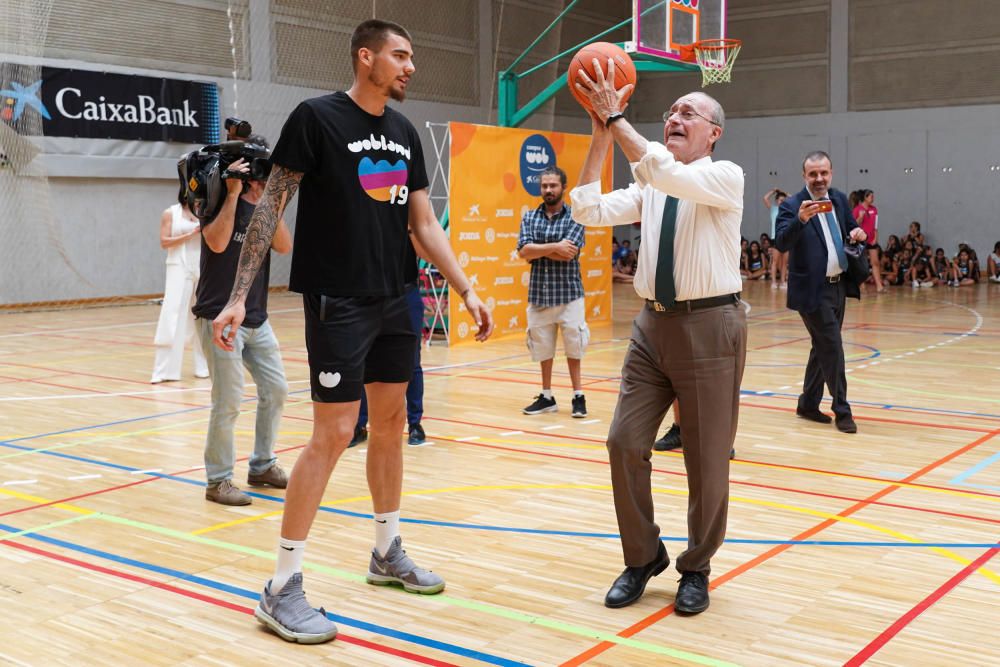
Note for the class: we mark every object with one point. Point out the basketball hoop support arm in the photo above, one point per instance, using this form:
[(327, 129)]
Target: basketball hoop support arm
[(508, 112)]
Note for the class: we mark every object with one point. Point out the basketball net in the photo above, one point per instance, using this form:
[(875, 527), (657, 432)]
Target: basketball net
[(715, 57)]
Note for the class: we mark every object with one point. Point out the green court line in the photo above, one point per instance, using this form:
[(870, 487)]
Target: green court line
[(500, 612), (54, 524)]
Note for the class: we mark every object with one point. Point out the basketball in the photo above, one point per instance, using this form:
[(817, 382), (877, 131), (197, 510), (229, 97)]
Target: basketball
[(624, 68)]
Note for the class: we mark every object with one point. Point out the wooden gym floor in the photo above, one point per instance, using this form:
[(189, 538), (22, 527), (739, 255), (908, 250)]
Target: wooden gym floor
[(874, 547)]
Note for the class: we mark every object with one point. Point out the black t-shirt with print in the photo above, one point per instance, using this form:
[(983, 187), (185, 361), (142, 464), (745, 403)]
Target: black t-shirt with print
[(218, 270), (358, 173)]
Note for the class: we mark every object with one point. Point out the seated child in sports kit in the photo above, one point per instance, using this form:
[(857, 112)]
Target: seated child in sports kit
[(941, 267), (921, 274), (962, 271), (993, 264), (902, 267)]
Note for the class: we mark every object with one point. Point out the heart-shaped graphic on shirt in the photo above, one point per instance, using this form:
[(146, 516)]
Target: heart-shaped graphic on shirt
[(329, 380)]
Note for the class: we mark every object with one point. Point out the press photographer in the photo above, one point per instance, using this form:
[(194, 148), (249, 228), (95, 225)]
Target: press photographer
[(254, 343), (203, 172)]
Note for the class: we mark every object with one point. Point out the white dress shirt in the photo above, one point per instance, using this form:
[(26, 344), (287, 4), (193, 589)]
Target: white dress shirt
[(832, 261), (709, 213)]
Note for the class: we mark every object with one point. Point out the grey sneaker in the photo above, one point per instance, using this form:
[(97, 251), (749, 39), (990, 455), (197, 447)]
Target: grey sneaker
[(397, 568), (289, 615), (225, 493), (273, 476)]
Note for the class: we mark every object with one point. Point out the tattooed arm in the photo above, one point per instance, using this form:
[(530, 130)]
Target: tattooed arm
[(280, 189)]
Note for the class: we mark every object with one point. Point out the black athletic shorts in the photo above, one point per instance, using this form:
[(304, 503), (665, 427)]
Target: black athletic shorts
[(354, 340)]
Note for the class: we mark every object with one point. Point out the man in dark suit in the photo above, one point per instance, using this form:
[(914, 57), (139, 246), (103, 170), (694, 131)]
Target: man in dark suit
[(818, 283)]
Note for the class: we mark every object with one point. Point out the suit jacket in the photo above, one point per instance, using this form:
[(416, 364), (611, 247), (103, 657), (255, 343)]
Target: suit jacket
[(807, 249)]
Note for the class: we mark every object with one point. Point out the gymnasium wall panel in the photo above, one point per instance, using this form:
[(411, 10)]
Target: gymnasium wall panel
[(923, 53)]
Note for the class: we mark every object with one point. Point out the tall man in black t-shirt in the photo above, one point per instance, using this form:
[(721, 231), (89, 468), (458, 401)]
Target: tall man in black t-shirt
[(254, 346), (361, 169)]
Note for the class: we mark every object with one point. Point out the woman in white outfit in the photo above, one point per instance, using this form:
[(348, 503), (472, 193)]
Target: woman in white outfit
[(180, 235)]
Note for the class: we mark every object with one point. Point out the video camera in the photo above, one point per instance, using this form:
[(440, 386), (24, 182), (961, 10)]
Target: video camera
[(204, 172)]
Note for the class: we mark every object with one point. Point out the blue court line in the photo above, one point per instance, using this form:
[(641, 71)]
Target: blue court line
[(982, 465), (884, 406), (115, 423), (254, 596)]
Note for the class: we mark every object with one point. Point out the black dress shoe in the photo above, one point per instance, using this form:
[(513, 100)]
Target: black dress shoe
[(671, 440), (845, 424), (630, 584), (813, 415), (692, 594)]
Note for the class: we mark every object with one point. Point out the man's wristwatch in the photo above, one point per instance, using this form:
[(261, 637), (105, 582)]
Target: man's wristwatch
[(618, 115)]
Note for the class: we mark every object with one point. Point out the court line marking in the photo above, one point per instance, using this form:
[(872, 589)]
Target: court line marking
[(510, 613), (229, 605), (355, 578), (653, 618), (889, 633)]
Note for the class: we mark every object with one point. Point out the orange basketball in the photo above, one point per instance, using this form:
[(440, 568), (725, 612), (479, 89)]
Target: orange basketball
[(624, 68)]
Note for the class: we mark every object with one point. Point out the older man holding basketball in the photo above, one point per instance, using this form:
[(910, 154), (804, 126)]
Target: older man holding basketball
[(689, 341)]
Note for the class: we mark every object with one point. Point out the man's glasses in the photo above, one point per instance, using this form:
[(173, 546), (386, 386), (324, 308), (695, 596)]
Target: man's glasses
[(686, 114)]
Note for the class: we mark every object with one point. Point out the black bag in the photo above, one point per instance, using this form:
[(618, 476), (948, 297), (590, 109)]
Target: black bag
[(858, 267)]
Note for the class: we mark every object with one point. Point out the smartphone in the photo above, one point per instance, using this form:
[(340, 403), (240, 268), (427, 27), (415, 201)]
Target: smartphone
[(825, 206)]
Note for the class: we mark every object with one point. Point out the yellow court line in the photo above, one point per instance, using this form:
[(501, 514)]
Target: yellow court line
[(41, 501), (237, 522), (989, 574)]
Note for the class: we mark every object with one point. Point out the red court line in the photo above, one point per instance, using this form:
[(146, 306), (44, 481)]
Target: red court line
[(774, 551), (217, 602), (757, 485), (868, 651), (776, 466), (125, 486)]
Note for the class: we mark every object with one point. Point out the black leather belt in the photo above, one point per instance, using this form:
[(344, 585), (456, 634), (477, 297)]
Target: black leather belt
[(833, 280), (694, 304)]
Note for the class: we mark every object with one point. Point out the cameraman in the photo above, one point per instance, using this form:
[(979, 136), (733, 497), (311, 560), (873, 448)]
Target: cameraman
[(255, 345)]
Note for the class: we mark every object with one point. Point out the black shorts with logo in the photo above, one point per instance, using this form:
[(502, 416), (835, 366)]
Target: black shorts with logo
[(354, 340)]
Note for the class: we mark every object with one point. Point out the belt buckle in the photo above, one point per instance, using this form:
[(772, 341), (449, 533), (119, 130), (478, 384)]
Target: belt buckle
[(833, 280), (658, 307)]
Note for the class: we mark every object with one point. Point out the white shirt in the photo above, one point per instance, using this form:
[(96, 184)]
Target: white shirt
[(832, 261), (709, 213)]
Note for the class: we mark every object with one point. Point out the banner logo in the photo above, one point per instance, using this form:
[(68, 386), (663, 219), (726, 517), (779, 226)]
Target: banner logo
[(19, 97), (536, 156)]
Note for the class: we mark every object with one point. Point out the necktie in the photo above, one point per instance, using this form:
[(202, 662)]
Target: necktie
[(838, 239), (665, 291)]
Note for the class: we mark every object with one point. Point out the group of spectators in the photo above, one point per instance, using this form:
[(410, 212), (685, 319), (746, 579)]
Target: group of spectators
[(624, 261), (906, 261)]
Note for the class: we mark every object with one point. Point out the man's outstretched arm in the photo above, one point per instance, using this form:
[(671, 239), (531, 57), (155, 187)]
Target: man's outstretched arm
[(280, 188)]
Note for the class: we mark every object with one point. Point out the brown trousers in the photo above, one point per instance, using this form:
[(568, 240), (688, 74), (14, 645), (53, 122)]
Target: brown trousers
[(697, 358)]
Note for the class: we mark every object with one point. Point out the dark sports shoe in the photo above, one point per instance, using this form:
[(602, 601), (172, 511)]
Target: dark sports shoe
[(541, 405), (416, 435), (670, 440), (291, 617), (579, 406), (360, 435)]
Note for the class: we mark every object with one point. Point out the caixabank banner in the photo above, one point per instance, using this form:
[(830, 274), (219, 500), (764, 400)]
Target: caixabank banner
[(494, 180), (58, 102)]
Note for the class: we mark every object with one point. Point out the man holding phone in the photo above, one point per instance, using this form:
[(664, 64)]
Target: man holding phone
[(812, 226)]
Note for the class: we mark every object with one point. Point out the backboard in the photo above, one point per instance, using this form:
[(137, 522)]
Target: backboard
[(661, 27)]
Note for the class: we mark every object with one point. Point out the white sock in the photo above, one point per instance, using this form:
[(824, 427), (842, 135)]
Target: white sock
[(547, 393), (577, 392), (290, 554), (386, 530)]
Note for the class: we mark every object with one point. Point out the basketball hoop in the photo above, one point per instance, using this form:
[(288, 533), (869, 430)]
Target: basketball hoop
[(715, 57)]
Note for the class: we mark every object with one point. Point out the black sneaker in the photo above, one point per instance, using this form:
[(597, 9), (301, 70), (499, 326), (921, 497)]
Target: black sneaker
[(360, 435), (670, 440), (541, 405), (579, 406), (417, 435)]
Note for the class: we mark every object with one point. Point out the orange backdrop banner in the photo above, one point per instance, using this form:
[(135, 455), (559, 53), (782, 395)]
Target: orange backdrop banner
[(493, 181)]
